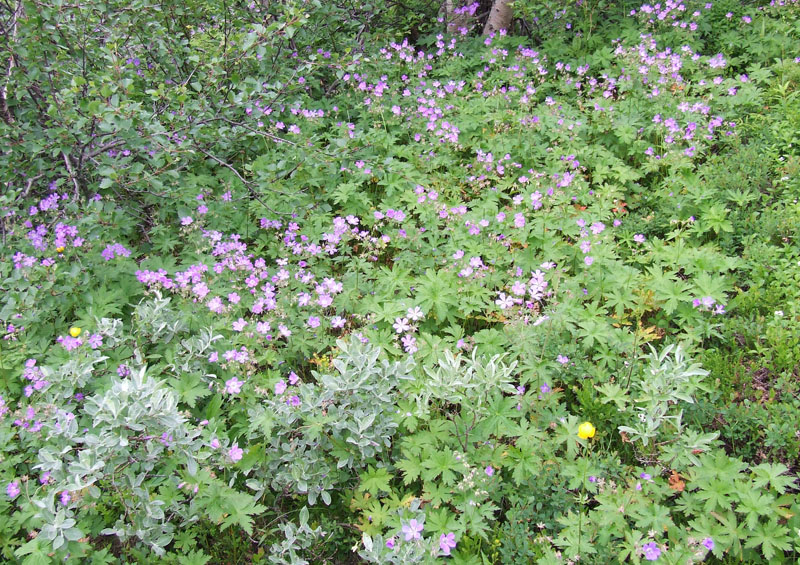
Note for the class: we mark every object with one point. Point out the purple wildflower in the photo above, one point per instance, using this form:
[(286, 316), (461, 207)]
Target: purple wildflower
[(233, 385), (447, 542), (412, 530), (235, 453), (13, 490), (651, 551)]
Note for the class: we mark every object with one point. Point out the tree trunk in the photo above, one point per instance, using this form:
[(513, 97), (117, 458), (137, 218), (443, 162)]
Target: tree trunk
[(454, 21), (499, 17)]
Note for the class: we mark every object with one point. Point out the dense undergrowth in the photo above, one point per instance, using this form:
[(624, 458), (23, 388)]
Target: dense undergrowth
[(281, 285)]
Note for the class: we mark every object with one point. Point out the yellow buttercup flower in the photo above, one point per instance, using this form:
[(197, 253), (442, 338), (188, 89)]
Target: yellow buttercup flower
[(60, 249), (586, 430), (74, 331)]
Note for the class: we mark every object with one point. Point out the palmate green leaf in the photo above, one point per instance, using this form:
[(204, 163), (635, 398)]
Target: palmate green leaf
[(379, 513), (633, 541), (441, 521), (190, 388), (194, 557), (773, 474), (384, 310), (671, 292), (437, 493), (394, 279), (592, 332), (753, 505), (529, 437), (652, 516), (523, 463), (34, 554), (240, 508), (479, 518), (620, 298), (612, 392), (500, 416), (440, 463), (706, 526), (436, 293), (717, 494), (771, 536), (717, 465), (375, 481), (577, 537), (411, 468), (491, 341), (731, 528), (473, 301), (707, 284)]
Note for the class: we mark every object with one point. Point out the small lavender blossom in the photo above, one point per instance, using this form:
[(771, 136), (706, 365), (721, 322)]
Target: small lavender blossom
[(412, 530), (13, 490), (447, 542), (235, 453), (233, 385), (651, 551)]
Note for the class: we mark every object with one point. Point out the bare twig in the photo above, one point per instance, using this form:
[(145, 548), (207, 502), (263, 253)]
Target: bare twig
[(248, 184), (7, 116), (72, 175)]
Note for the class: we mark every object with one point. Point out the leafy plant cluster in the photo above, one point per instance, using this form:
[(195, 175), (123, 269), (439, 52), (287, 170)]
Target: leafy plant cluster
[(280, 291)]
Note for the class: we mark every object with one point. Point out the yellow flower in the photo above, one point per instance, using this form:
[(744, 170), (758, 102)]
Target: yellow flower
[(74, 331), (586, 430), (60, 249)]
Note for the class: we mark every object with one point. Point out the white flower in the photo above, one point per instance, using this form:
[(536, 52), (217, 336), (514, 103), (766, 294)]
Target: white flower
[(415, 313), (401, 325), (504, 301)]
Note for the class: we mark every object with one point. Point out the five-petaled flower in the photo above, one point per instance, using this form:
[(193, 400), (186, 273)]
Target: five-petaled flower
[(235, 452), (651, 551), (401, 325), (233, 385), (412, 530), (586, 430), (447, 542), (13, 490)]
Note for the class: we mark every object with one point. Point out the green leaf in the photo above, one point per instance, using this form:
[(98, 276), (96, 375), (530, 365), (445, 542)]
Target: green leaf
[(771, 537), (375, 481), (240, 508), (35, 554), (772, 474), (190, 387), (524, 464), (441, 521), (440, 463), (411, 467)]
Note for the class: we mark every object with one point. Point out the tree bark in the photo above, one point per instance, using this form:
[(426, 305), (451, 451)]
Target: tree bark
[(11, 38), (500, 17), (454, 21)]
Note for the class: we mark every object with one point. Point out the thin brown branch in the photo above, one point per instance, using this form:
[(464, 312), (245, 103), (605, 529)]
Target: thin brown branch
[(245, 182), (7, 115)]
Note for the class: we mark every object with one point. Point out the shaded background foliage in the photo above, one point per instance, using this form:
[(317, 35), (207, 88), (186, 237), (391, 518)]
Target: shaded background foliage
[(131, 110)]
